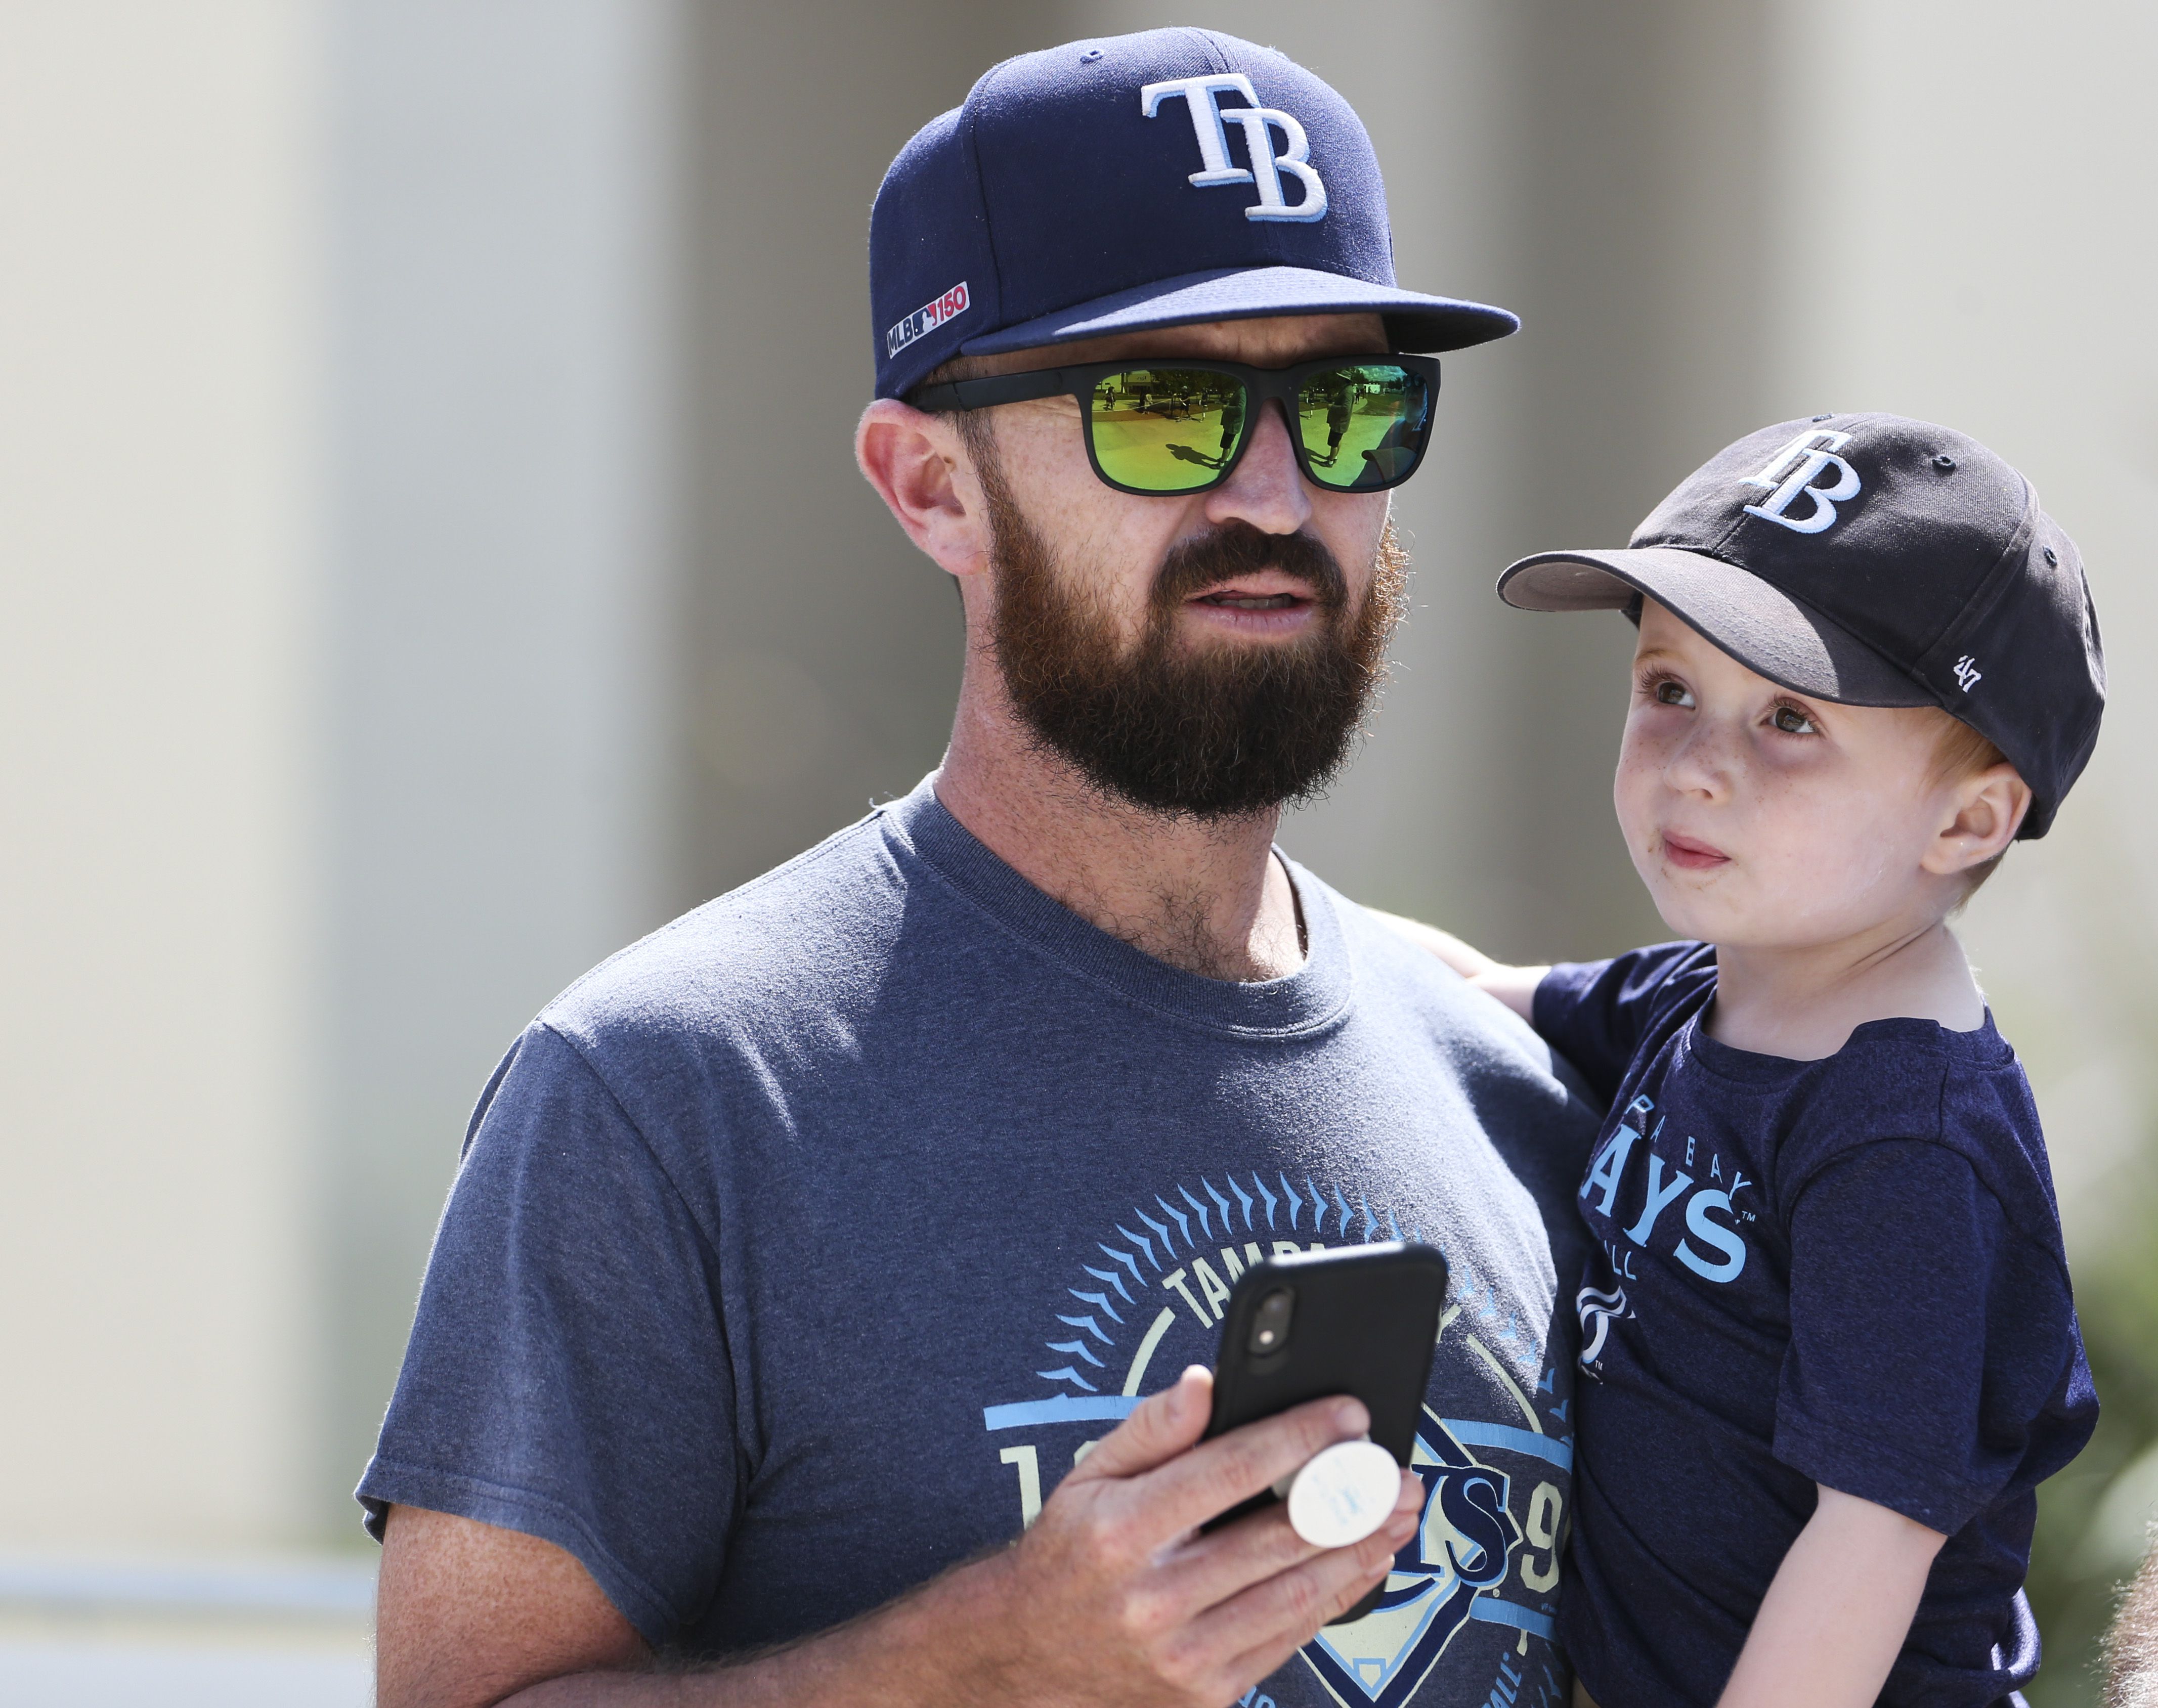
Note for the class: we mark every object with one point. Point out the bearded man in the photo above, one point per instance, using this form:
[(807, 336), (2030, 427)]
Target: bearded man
[(805, 1323)]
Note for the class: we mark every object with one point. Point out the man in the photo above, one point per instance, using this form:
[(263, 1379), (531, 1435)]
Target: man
[(811, 1251)]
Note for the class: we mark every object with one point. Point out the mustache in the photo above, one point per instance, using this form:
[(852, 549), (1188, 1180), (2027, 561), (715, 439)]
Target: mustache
[(1238, 548)]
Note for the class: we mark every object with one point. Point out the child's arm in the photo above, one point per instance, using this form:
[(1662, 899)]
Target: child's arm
[(1514, 986), (1836, 1617)]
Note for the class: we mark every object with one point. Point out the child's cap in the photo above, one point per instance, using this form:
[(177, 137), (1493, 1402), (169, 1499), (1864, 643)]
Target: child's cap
[(1870, 560)]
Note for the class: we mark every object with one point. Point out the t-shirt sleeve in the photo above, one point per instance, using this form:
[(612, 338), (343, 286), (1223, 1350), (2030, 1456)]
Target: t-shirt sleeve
[(567, 1374), (1926, 1334), (1596, 1013)]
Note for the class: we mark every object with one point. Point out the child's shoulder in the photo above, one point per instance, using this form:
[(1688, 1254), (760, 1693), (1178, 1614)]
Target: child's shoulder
[(1660, 979), (1903, 1080)]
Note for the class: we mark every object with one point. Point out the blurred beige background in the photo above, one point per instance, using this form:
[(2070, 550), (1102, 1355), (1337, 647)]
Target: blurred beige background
[(432, 556)]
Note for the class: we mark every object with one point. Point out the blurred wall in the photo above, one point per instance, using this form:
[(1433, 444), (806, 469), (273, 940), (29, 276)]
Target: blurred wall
[(433, 557), (821, 651), (158, 629), (503, 201)]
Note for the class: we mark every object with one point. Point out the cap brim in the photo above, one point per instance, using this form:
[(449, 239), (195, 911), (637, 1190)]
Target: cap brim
[(1766, 630), (1414, 321)]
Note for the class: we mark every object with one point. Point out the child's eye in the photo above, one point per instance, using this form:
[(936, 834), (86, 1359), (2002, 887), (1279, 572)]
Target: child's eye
[(1793, 722), (1671, 693)]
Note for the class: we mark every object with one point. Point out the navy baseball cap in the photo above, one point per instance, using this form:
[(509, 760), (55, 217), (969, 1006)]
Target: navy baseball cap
[(1870, 560), (1137, 181)]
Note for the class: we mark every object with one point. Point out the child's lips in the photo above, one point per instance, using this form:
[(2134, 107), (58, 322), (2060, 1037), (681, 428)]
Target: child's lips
[(1689, 855)]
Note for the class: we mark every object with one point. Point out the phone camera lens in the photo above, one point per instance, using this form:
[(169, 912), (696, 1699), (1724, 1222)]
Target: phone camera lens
[(1270, 1322)]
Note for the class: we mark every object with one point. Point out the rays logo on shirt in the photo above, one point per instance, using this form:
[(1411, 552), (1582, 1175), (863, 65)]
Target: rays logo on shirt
[(1461, 1548), (1147, 1294), (1597, 1309)]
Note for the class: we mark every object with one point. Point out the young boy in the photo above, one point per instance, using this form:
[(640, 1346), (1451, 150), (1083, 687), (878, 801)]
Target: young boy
[(1830, 1329)]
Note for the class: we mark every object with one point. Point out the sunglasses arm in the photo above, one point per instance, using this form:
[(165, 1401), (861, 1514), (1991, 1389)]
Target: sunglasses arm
[(1004, 387)]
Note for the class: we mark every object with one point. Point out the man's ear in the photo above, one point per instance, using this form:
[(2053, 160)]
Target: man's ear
[(921, 471), (1988, 810)]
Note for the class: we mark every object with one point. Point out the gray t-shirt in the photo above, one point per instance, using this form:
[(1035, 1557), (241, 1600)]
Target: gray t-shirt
[(798, 1249)]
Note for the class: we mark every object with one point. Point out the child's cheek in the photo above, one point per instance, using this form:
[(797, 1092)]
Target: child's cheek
[(1634, 787)]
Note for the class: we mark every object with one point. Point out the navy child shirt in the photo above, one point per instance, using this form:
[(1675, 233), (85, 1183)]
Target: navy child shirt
[(1846, 1272)]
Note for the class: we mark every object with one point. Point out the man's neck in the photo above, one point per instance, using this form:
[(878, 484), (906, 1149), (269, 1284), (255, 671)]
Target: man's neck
[(1205, 896)]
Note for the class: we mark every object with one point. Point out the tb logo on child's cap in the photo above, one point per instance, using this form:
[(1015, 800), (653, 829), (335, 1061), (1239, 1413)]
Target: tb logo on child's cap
[(1943, 583), (1793, 470), (1259, 124)]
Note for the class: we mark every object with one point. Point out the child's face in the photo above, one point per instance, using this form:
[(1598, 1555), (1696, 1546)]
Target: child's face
[(1762, 818)]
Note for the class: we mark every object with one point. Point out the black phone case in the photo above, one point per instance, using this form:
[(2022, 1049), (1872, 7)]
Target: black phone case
[(1366, 1322)]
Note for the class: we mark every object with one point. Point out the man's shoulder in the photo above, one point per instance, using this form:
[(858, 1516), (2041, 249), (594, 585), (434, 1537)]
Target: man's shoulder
[(808, 933), (1527, 1101), (1408, 985)]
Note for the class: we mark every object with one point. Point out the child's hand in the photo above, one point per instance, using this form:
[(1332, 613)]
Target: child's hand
[(1514, 986)]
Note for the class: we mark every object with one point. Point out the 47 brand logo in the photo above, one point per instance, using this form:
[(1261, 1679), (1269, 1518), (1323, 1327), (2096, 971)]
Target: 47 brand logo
[(1793, 470), (1201, 98)]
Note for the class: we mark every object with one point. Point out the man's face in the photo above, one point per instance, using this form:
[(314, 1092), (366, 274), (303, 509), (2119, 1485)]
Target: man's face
[(1210, 654)]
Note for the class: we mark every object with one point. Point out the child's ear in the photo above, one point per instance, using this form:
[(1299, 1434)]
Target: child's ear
[(1988, 809)]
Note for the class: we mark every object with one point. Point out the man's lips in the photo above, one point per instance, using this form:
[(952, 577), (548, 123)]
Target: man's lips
[(1252, 601), (1264, 592), (1691, 855)]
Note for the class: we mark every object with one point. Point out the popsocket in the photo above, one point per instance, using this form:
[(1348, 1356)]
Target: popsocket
[(1343, 1494)]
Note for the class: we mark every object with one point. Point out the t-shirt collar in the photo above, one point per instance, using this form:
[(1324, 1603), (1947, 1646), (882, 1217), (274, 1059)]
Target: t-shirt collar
[(1316, 995)]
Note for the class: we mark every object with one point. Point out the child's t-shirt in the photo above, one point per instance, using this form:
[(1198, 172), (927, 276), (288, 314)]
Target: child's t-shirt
[(1846, 1272)]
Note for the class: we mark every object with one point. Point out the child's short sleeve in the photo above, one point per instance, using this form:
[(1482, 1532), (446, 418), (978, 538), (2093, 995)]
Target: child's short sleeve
[(1933, 1359), (1595, 1014)]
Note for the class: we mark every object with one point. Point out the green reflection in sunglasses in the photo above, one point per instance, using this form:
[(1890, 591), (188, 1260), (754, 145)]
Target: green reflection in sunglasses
[(1166, 430), (1173, 430), (1362, 427)]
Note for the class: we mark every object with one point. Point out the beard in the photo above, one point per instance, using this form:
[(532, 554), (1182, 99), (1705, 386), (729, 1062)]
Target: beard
[(1216, 731)]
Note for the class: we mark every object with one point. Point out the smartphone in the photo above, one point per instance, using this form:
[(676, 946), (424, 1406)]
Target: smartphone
[(1363, 1321)]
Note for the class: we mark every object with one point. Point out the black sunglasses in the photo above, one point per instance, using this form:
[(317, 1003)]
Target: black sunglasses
[(1359, 424)]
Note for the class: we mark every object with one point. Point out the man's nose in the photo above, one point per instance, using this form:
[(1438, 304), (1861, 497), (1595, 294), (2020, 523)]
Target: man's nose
[(1267, 489)]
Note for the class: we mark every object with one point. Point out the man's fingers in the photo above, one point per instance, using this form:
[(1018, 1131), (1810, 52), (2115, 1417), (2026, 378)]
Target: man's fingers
[(1215, 1475), (1162, 1427), (1269, 1622), (1209, 1569)]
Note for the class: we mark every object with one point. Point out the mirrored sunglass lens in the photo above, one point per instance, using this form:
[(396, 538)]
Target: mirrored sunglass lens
[(1363, 426), (1166, 430)]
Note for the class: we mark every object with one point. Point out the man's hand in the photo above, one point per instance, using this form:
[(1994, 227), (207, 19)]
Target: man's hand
[(1111, 1596), (1146, 1612)]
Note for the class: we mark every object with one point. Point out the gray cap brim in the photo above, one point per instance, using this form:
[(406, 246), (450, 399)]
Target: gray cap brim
[(1766, 630)]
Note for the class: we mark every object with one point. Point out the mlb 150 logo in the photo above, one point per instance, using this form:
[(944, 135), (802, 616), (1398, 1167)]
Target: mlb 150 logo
[(930, 315)]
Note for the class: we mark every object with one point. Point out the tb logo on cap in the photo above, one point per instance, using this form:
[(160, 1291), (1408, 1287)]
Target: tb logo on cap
[(1259, 123), (1792, 471)]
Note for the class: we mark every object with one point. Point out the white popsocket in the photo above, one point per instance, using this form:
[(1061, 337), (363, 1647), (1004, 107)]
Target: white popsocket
[(1343, 1493)]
